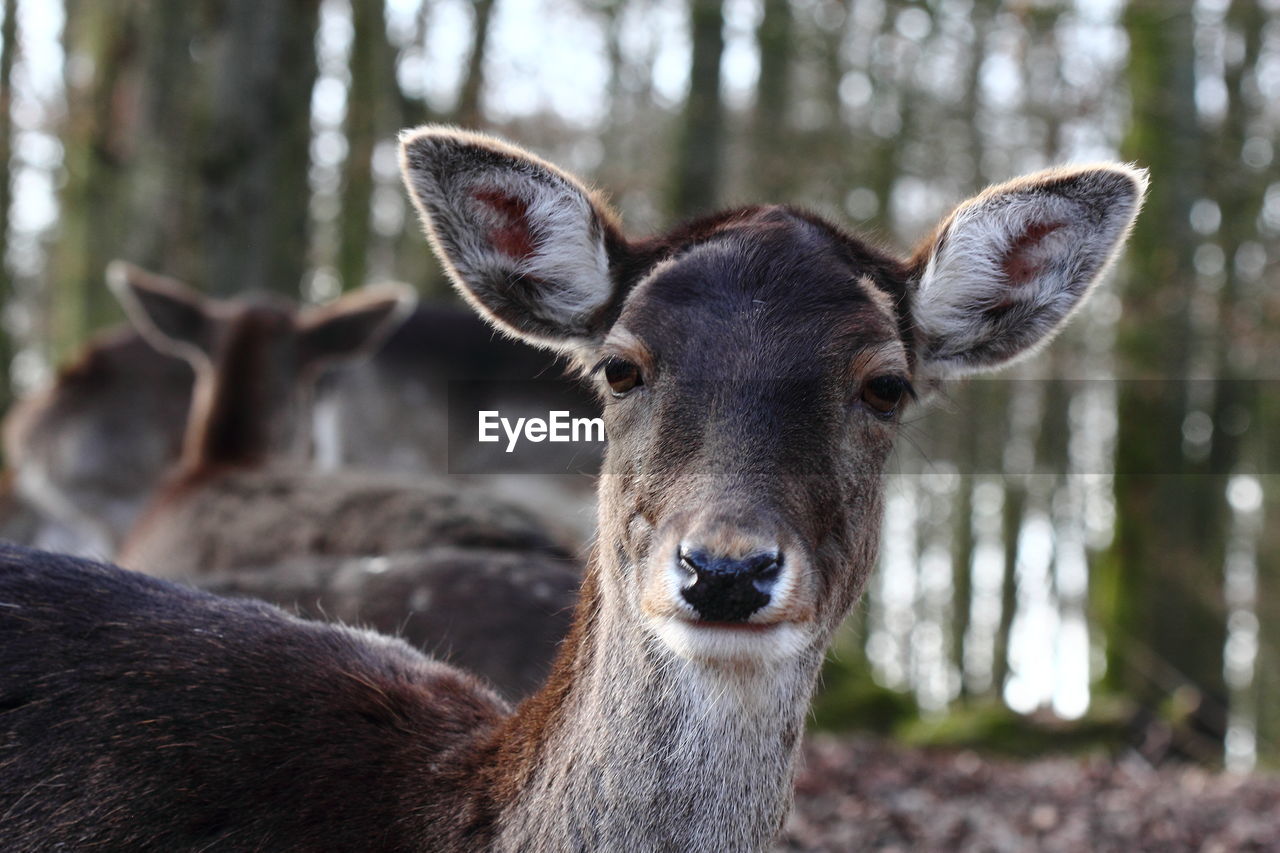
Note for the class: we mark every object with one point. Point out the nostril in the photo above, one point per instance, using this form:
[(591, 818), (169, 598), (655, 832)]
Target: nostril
[(764, 569), (691, 561)]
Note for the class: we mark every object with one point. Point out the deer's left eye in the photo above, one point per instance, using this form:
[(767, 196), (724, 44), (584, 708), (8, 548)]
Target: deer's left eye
[(622, 376), (883, 394)]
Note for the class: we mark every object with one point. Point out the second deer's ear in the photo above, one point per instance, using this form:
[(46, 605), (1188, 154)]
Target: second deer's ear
[(172, 317), (354, 325), (524, 242)]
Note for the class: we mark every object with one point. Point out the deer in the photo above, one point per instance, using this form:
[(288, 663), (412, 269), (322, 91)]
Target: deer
[(87, 451), (244, 492), (754, 367), (496, 613), (448, 569)]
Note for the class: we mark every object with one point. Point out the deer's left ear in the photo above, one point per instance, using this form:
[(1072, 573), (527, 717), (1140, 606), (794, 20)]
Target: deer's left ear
[(524, 242), (354, 325), (1007, 268)]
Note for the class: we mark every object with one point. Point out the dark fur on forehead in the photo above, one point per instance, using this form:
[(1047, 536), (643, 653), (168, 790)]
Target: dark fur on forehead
[(794, 261)]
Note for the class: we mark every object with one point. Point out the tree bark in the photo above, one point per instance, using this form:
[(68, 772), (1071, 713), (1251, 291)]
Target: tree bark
[(470, 109), (101, 38), (770, 128), (366, 124), (9, 46), (256, 190), (700, 147), (1167, 622)]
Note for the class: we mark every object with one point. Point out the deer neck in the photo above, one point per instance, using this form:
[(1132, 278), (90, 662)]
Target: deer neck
[(235, 411), (631, 748)]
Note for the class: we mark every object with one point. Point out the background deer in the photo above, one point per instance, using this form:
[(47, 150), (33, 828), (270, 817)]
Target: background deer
[(496, 613), (88, 452), (244, 493), (246, 512), (754, 366)]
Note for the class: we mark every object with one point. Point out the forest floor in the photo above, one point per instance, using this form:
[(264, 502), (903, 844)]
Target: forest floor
[(860, 793)]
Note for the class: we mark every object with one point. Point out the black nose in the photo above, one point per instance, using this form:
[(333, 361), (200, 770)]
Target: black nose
[(724, 590)]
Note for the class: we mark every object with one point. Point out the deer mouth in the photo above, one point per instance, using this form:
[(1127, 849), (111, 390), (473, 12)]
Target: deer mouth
[(744, 642), (747, 627)]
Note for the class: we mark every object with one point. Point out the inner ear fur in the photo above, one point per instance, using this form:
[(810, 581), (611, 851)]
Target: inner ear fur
[(528, 245), (1006, 269)]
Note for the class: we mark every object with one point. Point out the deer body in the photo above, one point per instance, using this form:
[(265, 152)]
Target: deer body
[(293, 735), (245, 756), (498, 613), (753, 367), (229, 520)]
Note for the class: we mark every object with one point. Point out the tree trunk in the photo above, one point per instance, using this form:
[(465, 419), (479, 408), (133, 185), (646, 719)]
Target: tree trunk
[(700, 147), (470, 109), (962, 543), (1239, 395), (1266, 678), (1167, 624), (366, 123), (9, 45), (772, 174), (1015, 504), (256, 190), (101, 37)]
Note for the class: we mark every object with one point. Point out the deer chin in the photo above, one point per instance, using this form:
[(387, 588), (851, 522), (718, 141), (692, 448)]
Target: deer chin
[(736, 642)]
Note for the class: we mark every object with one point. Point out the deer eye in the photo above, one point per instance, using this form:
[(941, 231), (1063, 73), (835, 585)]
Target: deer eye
[(884, 394), (622, 376)]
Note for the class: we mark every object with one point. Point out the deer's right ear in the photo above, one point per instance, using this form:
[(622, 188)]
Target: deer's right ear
[(169, 315), (524, 242)]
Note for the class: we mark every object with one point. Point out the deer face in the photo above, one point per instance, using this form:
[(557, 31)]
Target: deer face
[(753, 383), (754, 366)]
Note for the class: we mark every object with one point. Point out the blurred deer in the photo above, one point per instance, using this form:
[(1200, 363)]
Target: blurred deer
[(244, 492), (89, 451), (498, 613), (414, 406), (755, 367), (244, 505)]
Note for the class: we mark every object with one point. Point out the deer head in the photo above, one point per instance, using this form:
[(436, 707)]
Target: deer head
[(755, 366), (255, 359)]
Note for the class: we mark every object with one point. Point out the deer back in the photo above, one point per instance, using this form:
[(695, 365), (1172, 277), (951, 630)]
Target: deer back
[(187, 721)]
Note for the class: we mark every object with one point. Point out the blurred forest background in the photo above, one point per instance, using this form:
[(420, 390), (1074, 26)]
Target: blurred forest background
[(1088, 545)]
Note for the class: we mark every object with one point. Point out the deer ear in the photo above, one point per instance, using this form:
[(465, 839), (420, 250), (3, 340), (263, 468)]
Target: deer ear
[(168, 314), (1007, 268), (524, 242), (354, 325)]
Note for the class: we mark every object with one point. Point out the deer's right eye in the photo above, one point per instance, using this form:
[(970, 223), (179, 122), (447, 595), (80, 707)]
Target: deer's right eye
[(622, 376), (883, 394)]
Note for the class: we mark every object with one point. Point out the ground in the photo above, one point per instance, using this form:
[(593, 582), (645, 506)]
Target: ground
[(859, 793)]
